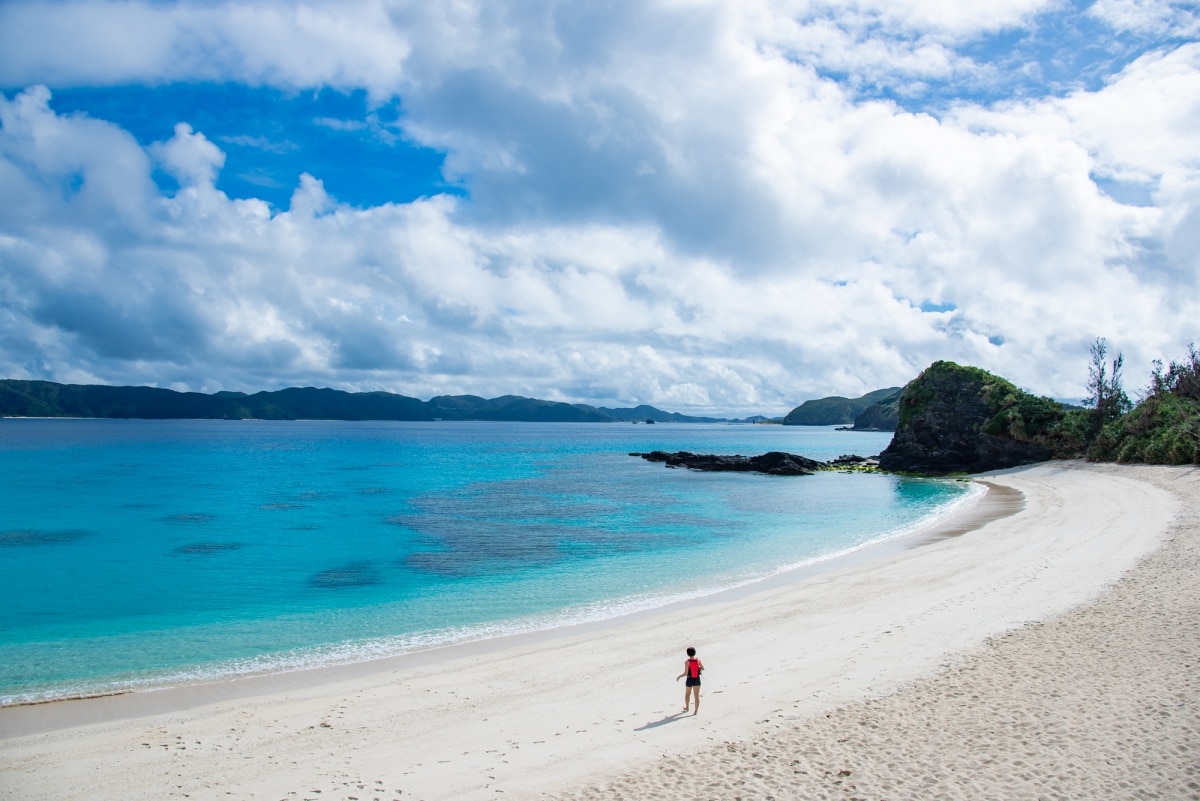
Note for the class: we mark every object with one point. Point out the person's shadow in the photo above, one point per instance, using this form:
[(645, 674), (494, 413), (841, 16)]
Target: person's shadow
[(664, 721)]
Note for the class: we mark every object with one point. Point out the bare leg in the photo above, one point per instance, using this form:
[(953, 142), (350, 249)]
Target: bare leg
[(686, 696), (696, 696)]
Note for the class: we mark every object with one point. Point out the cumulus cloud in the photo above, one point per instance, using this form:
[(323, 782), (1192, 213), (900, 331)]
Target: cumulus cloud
[(294, 45), (1150, 17), (675, 204), (189, 157)]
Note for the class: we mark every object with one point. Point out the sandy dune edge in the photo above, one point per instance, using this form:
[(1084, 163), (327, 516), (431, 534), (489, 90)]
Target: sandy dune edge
[(599, 710)]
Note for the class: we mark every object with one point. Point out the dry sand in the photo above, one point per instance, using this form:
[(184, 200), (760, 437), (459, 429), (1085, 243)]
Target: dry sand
[(1052, 653)]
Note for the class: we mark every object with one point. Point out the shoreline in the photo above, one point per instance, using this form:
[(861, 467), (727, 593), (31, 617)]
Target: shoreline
[(50, 714), (1102, 701), (571, 710)]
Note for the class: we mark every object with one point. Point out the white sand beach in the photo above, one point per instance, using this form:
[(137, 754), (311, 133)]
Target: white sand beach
[(1050, 653)]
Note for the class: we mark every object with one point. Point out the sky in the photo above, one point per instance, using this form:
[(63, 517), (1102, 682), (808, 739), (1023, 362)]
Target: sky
[(710, 206)]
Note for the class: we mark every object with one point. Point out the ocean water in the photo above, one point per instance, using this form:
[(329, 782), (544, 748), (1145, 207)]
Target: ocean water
[(138, 554)]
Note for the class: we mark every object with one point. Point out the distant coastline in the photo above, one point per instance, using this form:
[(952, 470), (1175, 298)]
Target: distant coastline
[(42, 399)]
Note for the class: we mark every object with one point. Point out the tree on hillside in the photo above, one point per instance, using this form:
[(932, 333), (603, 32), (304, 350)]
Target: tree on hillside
[(1106, 396), (1181, 378), (1164, 427)]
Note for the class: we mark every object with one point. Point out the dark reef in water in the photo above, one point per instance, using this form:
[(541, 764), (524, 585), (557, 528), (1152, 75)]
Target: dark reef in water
[(357, 574), (23, 538), (203, 548), (189, 517)]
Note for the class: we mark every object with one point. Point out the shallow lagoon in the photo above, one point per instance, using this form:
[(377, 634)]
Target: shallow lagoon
[(150, 553)]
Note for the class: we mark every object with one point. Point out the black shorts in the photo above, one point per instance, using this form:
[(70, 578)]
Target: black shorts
[(690, 682)]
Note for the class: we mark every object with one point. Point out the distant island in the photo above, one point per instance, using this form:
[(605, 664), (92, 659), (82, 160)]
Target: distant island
[(875, 411), (48, 399)]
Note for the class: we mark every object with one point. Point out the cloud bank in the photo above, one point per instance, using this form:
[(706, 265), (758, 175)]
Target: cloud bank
[(718, 206)]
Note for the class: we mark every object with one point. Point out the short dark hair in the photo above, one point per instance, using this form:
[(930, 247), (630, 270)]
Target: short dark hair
[(691, 651)]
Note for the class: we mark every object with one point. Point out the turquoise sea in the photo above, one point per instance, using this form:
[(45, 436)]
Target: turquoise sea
[(139, 554)]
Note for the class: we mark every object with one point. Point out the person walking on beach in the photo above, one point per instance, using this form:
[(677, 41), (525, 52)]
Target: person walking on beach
[(691, 688)]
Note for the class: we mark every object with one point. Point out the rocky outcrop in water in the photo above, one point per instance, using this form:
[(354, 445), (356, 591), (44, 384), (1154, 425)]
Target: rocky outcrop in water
[(854, 463), (775, 463)]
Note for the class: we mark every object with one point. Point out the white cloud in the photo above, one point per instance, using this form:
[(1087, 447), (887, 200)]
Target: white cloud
[(261, 143), (389, 46), (1138, 127), (294, 45), (1150, 17), (962, 19), (340, 125), (97, 169), (667, 204), (189, 157)]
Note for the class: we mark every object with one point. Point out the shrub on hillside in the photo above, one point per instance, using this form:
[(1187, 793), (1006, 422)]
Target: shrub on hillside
[(1164, 427)]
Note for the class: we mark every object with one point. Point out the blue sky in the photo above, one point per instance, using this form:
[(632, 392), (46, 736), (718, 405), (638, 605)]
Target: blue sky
[(717, 206), (271, 136)]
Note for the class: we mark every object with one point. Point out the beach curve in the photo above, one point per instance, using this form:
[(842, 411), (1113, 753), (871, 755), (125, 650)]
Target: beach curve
[(570, 713)]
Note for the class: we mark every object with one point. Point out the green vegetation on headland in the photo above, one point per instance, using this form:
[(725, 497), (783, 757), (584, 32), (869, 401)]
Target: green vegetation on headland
[(48, 399), (1164, 427), (956, 419)]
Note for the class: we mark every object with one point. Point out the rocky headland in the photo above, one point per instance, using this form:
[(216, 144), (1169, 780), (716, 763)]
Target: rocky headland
[(956, 419)]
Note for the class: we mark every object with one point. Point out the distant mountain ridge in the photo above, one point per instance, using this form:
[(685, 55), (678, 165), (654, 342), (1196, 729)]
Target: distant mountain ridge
[(20, 398), (836, 410)]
